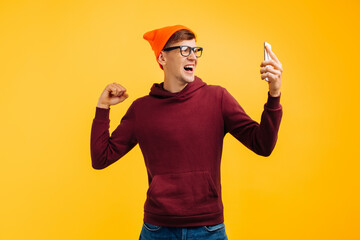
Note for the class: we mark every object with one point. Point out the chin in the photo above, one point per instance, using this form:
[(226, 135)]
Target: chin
[(189, 79)]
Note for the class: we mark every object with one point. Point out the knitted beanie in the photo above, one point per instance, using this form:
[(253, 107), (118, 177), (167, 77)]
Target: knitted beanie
[(159, 37)]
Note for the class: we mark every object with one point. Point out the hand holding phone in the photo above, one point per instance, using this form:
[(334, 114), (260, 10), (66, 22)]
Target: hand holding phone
[(267, 55)]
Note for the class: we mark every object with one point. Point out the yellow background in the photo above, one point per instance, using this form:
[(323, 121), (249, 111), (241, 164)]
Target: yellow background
[(56, 57)]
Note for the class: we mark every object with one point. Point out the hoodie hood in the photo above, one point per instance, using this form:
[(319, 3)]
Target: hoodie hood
[(158, 91)]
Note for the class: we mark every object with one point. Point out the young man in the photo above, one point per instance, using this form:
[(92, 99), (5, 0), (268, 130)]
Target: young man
[(180, 128)]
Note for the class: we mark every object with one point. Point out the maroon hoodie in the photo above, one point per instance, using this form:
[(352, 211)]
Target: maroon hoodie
[(181, 138)]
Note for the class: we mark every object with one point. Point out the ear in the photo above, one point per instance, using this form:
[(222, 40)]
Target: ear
[(162, 58)]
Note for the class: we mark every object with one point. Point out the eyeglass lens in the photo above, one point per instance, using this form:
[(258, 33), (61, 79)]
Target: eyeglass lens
[(185, 51)]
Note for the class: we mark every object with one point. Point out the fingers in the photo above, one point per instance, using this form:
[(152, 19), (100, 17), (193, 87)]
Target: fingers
[(272, 62), (269, 76), (270, 73), (113, 94), (115, 89), (270, 69)]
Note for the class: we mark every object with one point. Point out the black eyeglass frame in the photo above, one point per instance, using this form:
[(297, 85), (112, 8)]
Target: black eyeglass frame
[(181, 51)]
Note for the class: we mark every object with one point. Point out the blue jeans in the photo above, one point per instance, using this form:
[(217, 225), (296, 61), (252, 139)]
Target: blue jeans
[(153, 232)]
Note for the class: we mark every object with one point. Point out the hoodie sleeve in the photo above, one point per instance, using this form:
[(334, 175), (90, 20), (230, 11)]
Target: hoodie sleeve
[(106, 150), (260, 138)]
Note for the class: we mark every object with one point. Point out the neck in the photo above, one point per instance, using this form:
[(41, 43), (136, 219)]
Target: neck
[(173, 85)]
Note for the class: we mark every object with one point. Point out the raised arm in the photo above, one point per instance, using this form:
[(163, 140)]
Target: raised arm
[(260, 138), (105, 150)]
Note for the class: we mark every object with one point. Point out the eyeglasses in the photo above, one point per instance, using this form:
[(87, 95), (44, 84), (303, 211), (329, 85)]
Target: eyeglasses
[(186, 50)]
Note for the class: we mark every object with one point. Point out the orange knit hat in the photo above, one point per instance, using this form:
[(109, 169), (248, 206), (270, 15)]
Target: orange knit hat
[(159, 37)]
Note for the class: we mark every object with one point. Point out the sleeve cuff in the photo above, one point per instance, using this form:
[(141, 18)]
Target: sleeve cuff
[(102, 113), (273, 102)]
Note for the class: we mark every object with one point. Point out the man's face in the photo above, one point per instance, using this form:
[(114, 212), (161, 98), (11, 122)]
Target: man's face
[(175, 63)]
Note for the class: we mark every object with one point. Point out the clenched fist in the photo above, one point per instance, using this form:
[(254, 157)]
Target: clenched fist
[(113, 94)]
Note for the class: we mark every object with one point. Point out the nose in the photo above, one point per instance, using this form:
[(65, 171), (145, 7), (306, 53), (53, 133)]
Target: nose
[(192, 55)]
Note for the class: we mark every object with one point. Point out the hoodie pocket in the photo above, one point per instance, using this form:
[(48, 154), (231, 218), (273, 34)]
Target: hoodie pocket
[(182, 194)]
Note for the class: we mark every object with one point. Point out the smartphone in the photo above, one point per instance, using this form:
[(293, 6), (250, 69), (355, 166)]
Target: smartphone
[(266, 55)]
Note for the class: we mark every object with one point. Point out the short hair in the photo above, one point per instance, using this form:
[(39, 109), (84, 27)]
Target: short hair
[(179, 36)]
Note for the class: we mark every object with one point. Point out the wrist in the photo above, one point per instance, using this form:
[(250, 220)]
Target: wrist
[(105, 106), (274, 93)]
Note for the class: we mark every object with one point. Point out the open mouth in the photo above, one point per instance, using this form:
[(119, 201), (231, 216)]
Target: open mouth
[(189, 68)]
